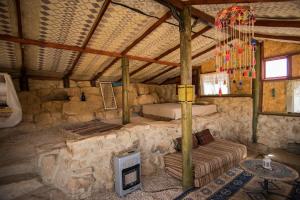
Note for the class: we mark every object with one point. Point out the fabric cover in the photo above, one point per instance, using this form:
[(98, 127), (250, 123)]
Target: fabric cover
[(173, 110), (209, 161), (7, 89), (204, 137)]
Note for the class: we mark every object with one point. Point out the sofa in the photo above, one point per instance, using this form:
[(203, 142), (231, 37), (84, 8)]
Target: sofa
[(209, 160)]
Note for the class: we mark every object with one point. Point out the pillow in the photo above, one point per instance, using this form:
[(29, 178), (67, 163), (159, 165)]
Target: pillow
[(178, 143), (204, 137)]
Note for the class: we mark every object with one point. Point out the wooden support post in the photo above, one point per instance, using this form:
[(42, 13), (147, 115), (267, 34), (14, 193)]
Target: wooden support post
[(24, 86), (66, 82), (125, 86), (93, 83), (256, 88), (186, 107)]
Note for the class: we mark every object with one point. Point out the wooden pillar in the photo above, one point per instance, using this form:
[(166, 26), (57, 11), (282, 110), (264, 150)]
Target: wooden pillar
[(66, 82), (186, 107), (125, 86), (256, 90), (93, 83)]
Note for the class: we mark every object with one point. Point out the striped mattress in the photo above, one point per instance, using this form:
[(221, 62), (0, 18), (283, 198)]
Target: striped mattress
[(209, 161)]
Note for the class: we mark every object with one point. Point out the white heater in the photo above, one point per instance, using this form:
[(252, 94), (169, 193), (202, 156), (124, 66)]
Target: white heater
[(127, 170)]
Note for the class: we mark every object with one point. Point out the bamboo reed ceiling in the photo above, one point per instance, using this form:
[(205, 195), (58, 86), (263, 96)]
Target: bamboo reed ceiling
[(84, 39)]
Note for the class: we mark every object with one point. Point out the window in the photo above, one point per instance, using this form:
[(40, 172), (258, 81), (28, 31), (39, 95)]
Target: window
[(213, 83), (276, 68), (293, 96)]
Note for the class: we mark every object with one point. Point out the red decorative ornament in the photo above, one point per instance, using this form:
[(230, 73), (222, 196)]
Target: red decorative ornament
[(220, 92), (239, 52)]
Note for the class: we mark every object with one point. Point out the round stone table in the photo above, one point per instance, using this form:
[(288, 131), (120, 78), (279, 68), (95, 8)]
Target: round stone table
[(279, 172)]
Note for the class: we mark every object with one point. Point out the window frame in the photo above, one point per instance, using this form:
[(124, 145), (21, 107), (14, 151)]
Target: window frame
[(285, 78), (279, 77), (288, 75), (213, 95)]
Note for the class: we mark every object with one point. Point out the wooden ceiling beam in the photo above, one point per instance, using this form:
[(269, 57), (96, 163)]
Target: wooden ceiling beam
[(206, 51), (195, 35), (278, 37), (159, 74), (134, 43), (89, 36), (205, 18), (201, 2), (278, 23), (79, 49), (210, 20)]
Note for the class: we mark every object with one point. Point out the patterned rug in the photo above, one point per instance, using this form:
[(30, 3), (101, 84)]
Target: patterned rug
[(235, 184)]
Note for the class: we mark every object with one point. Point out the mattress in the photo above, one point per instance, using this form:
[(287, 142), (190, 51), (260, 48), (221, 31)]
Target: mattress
[(209, 161), (173, 110)]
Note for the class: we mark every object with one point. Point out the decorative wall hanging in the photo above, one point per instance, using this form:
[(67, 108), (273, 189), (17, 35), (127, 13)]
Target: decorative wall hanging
[(235, 54)]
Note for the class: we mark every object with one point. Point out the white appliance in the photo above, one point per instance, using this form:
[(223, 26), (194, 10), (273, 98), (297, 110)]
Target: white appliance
[(127, 170)]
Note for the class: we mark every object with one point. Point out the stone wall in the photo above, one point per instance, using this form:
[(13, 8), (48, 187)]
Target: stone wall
[(236, 115), (81, 166), (46, 103), (278, 131)]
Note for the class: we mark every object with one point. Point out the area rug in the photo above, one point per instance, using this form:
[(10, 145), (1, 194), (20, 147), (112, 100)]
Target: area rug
[(235, 184)]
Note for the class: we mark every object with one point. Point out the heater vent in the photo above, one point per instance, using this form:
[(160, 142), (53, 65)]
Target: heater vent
[(127, 173)]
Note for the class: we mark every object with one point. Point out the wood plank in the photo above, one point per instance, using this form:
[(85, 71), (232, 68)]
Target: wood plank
[(167, 52), (79, 49), (125, 91), (134, 43), (256, 88), (277, 23), (278, 37), (89, 36), (186, 107), (201, 2)]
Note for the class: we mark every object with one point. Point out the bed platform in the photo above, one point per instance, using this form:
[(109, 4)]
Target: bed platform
[(209, 161), (172, 111)]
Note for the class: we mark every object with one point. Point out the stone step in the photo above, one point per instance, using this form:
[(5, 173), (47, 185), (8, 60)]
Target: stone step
[(14, 186), (18, 167)]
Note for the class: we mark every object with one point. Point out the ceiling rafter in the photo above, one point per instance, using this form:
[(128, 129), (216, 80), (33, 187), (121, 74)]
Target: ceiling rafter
[(201, 32), (210, 20), (201, 2), (159, 74), (278, 23), (202, 53), (278, 37), (79, 49), (288, 38), (89, 36), (134, 43)]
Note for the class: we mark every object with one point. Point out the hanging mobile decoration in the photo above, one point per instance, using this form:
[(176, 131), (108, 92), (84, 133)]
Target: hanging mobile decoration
[(239, 55)]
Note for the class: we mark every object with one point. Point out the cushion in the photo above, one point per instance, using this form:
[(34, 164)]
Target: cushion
[(204, 137), (178, 143)]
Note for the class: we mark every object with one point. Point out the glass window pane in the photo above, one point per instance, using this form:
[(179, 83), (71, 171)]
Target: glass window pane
[(211, 83), (276, 68)]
